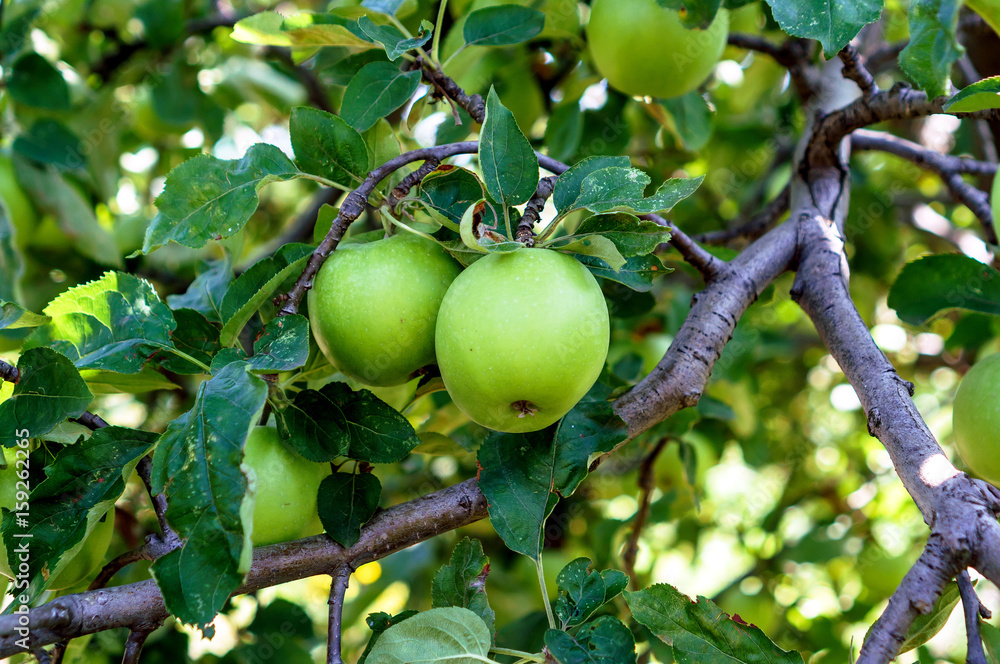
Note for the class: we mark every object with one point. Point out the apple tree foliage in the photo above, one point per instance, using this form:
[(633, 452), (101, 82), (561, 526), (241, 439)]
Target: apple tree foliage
[(168, 170)]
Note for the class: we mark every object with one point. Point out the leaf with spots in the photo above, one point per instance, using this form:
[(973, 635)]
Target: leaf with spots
[(604, 641), (82, 484), (282, 346), (326, 145), (49, 391), (462, 582), (197, 465)]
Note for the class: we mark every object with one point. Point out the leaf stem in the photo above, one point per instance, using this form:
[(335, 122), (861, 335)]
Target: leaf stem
[(506, 221), (453, 55), (184, 356), (525, 656), (545, 592), (436, 44), (328, 183)]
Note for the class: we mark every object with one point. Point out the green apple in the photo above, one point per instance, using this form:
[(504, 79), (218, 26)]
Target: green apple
[(88, 558), (521, 337), (644, 49), (374, 305), (976, 419), (285, 486)]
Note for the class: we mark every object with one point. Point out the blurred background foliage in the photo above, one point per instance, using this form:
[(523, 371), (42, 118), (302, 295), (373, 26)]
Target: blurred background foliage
[(769, 497)]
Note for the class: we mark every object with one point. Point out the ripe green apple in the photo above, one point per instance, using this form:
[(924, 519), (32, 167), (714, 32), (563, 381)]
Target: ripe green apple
[(285, 484), (644, 50), (976, 419), (85, 562), (521, 337), (374, 305)]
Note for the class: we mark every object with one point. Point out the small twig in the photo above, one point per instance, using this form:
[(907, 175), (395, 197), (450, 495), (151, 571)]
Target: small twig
[(855, 70), (758, 224), (92, 421), (647, 482), (402, 190), (525, 232), (9, 373), (58, 652), (972, 608), (42, 655), (145, 469), (338, 588), (473, 104), (117, 564), (948, 167), (133, 646), (794, 55)]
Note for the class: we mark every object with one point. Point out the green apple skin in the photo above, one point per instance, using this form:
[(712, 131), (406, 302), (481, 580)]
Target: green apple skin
[(84, 563), (286, 485), (374, 306), (976, 419), (521, 338), (644, 50)]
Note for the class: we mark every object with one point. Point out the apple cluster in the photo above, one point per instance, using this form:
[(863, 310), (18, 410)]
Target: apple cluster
[(519, 337)]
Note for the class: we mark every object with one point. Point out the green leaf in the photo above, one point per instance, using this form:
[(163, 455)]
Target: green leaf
[(933, 46), (74, 214), (283, 346), (384, 6), (509, 165), (69, 432), (34, 81), (926, 625), (451, 634), (205, 293), (995, 196), (325, 145), (14, 316), (378, 623), (832, 22), (337, 421), (622, 189), (110, 382), (11, 262), (604, 641), (591, 427), (206, 198), (114, 323), (581, 593), (568, 184), (82, 484), (517, 473), (462, 582), (989, 10), (300, 30), (632, 236), (699, 13), (50, 142), (346, 502), (689, 120), (591, 245), (700, 632), (382, 142), (193, 336), (449, 191), (637, 273), (197, 466), (502, 25), (50, 390), (375, 92), (991, 638), (930, 285), (392, 39), (255, 286), (980, 96)]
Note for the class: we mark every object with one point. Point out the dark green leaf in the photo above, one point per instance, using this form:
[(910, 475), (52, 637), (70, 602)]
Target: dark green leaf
[(502, 25), (81, 487), (700, 632), (564, 131), (517, 473), (194, 336), (509, 165), (14, 316), (197, 466), (980, 96), (50, 390), (632, 236), (74, 214), (604, 641), (11, 263), (592, 427), (317, 428), (615, 583), (450, 191), (462, 582), (50, 142), (637, 274), (581, 593), (255, 286), (283, 346), (375, 92), (933, 46), (622, 189), (394, 41), (325, 145), (205, 293), (933, 284), (832, 22), (568, 185), (346, 502), (34, 81), (115, 323), (206, 198)]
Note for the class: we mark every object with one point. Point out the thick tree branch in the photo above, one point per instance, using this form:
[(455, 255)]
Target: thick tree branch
[(948, 167)]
